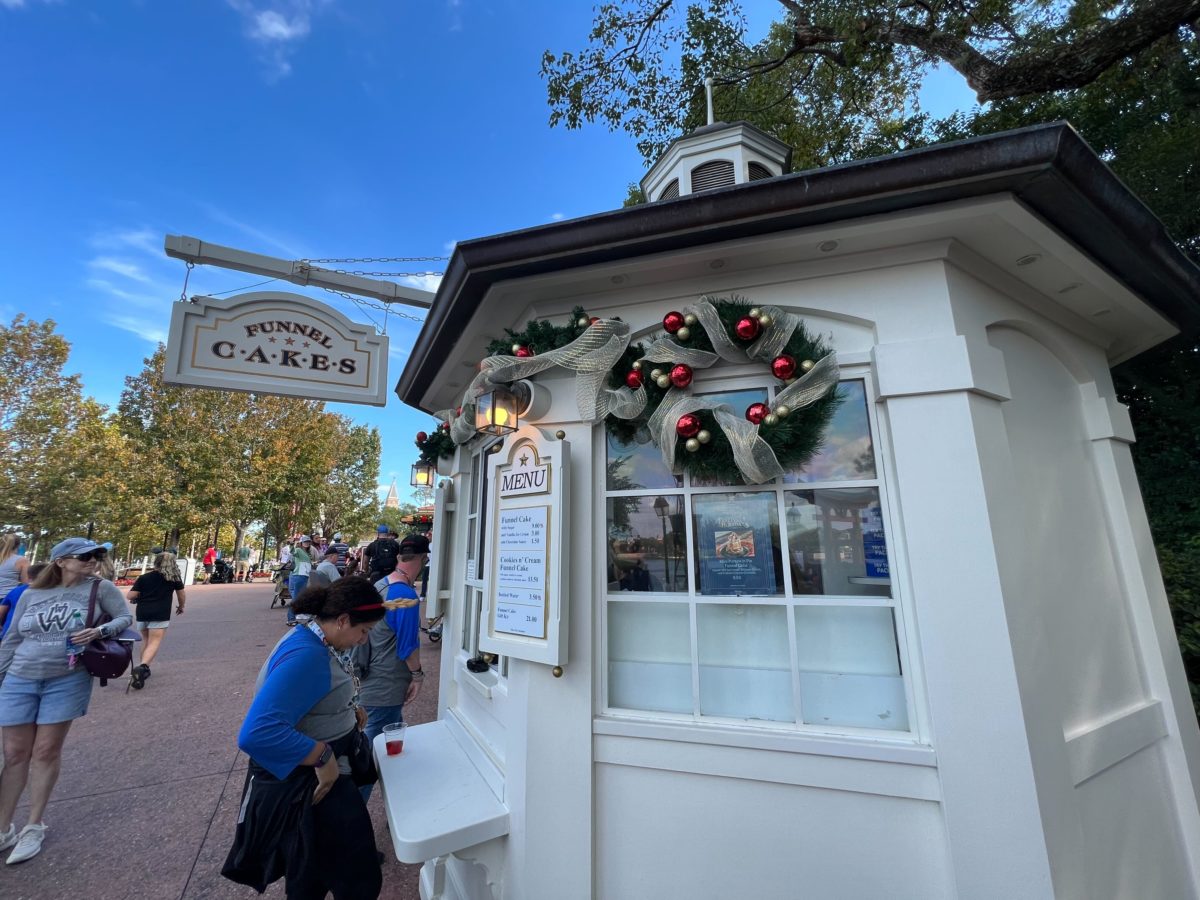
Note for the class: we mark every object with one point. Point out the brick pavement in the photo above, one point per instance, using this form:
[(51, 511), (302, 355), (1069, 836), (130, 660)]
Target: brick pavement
[(151, 780)]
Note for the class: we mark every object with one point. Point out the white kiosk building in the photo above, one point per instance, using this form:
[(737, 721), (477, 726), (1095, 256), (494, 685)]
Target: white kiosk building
[(959, 678)]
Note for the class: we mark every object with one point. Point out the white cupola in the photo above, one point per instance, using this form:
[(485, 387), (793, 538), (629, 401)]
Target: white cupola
[(716, 155)]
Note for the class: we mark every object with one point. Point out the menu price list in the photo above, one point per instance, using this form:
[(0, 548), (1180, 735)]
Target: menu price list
[(521, 572)]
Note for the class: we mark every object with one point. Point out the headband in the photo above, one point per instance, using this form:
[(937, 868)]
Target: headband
[(367, 606)]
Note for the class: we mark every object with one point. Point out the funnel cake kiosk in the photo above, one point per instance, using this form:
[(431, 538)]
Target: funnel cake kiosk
[(789, 541)]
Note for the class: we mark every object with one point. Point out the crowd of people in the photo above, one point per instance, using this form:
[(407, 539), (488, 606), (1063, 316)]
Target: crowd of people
[(341, 673)]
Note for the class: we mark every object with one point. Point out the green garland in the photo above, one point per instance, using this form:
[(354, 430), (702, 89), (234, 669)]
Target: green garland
[(795, 439), (437, 444)]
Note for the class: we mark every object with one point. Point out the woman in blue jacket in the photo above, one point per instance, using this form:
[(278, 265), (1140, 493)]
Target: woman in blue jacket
[(302, 817)]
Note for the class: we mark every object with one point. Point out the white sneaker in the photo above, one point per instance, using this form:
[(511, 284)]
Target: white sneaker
[(29, 844), (8, 838)]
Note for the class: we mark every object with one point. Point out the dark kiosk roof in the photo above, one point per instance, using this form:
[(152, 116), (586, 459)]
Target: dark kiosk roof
[(1049, 168)]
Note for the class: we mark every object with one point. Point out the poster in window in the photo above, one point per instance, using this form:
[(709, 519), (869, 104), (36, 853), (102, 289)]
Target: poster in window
[(734, 538)]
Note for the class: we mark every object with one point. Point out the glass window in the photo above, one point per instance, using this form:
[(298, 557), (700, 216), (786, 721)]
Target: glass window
[(745, 665), (737, 543), (637, 465), (850, 667), (836, 543), (775, 601), (847, 454), (646, 546), (650, 656)]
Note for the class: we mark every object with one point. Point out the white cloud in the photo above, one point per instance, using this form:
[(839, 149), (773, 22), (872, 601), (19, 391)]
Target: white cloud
[(277, 27), (556, 217), (263, 237), (126, 269), (145, 239), (21, 4), (145, 329), (423, 282)]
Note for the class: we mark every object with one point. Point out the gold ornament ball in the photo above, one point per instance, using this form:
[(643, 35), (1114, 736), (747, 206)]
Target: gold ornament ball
[(765, 320), (656, 374), (755, 313), (516, 347), (690, 319), (704, 436), (692, 445), (683, 333), (807, 365), (583, 322), (663, 381), (770, 419), (790, 381), (782, 410), (637, 365), (560, 434), (557, 671)]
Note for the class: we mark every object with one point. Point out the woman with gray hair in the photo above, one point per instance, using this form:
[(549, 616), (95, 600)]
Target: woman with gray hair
[(151, 594)]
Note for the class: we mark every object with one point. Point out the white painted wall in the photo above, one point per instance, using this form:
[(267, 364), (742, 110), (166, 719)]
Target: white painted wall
[(1051, 754)]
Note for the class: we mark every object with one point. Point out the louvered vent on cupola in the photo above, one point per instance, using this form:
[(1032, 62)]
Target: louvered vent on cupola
[(718, 155), (714, 174)]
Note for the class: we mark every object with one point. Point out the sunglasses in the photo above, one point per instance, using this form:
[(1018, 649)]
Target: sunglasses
[(89, 556)]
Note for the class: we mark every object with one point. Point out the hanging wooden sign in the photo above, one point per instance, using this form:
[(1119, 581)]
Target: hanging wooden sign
[(271, 342)]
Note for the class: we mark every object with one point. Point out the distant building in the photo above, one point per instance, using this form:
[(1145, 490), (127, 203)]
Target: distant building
[(393, 499)]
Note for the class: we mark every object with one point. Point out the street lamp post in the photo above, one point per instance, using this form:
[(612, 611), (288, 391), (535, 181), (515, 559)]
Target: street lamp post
[(660, 509)]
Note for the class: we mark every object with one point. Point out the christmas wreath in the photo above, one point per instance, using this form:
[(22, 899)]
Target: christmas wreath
[(643, 393), (433, 447)]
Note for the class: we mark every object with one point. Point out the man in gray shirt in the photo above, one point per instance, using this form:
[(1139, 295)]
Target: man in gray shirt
[(326, 571)]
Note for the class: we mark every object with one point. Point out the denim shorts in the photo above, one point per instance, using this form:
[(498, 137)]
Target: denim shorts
[(46, 701)]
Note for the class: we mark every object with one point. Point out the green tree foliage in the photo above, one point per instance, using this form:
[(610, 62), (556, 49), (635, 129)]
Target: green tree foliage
[(838, 80)]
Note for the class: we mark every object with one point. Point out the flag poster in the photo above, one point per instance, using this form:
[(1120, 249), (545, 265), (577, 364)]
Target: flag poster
[(735, 549)]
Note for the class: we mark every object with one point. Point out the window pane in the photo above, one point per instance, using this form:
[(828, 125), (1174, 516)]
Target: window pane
[(649, 656), (850, 667), (646, 546), (847, 453), (836, 543), (737, 543), (745, 668), (738, 401), (637, 465)]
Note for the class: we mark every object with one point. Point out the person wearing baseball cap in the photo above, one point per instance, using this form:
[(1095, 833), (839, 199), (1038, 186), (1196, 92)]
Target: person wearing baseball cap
[(343, 552), (390, 662), (381, 554), (302, 564), (43, 685)]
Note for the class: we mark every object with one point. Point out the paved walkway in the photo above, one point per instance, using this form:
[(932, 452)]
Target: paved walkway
[(151, 780)]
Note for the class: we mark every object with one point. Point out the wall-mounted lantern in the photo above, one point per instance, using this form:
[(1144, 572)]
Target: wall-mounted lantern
[(422, 475)]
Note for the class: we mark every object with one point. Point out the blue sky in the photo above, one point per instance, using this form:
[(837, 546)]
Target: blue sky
[(294, 128)]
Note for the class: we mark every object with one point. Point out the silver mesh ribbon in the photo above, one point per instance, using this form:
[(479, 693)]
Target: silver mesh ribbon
[(590, 356)]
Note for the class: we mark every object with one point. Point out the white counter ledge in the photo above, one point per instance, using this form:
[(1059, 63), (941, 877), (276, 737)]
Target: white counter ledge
[(437, 800)]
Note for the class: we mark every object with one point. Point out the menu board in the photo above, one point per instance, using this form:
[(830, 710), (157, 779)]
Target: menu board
[(525, 560), (521, 548)]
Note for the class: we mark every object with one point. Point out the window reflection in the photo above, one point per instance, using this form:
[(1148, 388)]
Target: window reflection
[(638, 464), (737, 543), (646, 548), (836, 542), (847, 453)]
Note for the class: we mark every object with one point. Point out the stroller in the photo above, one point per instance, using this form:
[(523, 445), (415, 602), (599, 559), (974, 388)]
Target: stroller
[(282, 596), (222, 572)]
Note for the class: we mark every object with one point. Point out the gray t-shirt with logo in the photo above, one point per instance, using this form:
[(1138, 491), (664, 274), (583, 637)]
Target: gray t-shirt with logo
[(36, 644)]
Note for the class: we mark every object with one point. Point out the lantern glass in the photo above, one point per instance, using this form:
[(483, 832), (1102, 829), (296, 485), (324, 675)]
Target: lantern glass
[(422, 475), (496, 412)]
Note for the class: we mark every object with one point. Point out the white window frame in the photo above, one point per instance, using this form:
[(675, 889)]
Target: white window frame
[(745, 378)]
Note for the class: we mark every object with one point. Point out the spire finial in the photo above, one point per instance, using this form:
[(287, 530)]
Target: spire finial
[(708, 83)]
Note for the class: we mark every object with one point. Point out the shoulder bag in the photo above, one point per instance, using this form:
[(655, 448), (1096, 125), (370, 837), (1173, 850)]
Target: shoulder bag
[(106, 657)]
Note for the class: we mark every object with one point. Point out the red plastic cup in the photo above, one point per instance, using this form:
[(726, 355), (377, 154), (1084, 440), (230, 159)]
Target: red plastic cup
[(393, 736)]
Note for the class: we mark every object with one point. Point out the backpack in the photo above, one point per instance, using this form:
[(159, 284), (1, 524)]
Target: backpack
[(386, 553)]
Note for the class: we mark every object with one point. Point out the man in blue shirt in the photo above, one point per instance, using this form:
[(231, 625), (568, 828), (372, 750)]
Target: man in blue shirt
[(389, 664)]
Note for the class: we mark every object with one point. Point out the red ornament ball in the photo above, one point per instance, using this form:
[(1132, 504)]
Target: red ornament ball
[(422, 437), (681, 375), (747, 329), (688, 425), (756, 412), (593, 320), (523, 353), (783, 367), (458, 410), (672, 322), (445, 426), (633, 379)]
